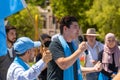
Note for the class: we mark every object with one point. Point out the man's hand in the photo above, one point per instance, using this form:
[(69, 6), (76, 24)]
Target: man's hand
[(113, 75), (116, 77), (82, 47), (94, 61), (98, 66), (46, 57)]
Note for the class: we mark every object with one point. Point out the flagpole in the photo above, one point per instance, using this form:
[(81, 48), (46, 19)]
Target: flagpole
[(33, 22)]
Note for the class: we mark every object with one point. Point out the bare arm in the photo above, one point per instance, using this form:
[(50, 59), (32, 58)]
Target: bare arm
[(96, 68), (117, 77), (64, 63)]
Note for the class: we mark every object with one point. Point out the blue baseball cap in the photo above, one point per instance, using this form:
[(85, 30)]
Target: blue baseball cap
[(24, 43)]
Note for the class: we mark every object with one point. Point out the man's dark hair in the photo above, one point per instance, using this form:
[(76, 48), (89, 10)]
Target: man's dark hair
[(66, 21), (8, 27)]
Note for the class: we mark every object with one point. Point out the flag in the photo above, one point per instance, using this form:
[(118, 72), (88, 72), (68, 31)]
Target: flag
[(8, 7), (3, 44)]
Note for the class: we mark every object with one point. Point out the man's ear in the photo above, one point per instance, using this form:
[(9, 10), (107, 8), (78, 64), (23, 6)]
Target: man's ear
[(65, 28), (28, 51)]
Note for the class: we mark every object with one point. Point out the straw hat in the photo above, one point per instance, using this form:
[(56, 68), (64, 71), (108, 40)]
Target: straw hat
[(91, 32)]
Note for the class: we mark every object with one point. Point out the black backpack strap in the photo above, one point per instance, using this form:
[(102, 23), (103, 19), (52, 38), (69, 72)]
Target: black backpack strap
[(100, 55)]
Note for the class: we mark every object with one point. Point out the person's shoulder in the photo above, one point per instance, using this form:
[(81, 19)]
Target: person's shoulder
[(55, 41), (119, 47), (55, 44), (15, 66), (12, 67), (55, 36), (99, 43)]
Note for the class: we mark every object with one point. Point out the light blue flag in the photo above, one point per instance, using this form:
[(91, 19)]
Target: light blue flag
[(3, 44), (8, 7)]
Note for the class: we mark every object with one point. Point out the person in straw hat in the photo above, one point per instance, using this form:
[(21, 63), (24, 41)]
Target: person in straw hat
[(94, 47)]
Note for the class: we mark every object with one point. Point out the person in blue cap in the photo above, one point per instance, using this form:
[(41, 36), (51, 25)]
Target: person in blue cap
[(19, 69)]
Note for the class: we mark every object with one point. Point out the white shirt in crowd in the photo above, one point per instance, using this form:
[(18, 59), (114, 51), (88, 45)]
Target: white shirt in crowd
[(17, 72), (93, 53)]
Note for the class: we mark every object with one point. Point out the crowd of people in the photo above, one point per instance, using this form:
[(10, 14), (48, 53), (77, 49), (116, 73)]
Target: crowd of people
[(58, 57)]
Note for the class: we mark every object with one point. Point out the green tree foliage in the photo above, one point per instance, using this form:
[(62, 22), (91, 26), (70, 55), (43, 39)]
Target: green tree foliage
[(24, 23), (105, 14), (36, 2), (75, 8)]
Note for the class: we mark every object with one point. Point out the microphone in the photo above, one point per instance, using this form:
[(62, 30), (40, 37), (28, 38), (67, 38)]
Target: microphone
[(81, 38)]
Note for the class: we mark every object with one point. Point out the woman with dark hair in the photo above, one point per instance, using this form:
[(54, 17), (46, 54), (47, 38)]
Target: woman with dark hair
[(46, 41)]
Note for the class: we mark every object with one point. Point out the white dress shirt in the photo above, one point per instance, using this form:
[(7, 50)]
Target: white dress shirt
[(17, 72), (93, 53)]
